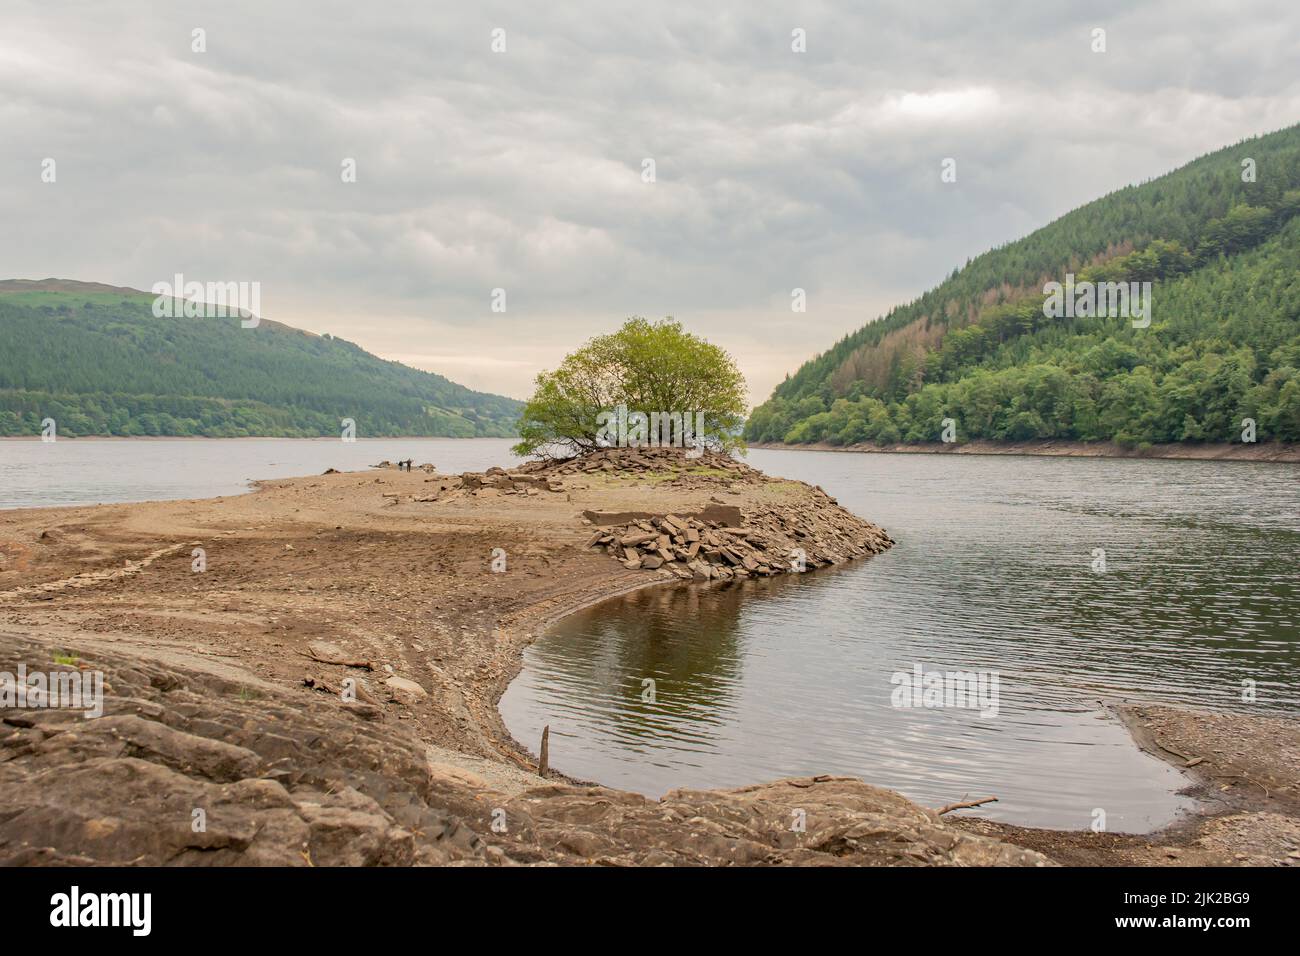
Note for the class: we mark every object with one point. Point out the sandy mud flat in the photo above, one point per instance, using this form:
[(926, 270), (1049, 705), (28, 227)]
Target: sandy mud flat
[(324, 691)]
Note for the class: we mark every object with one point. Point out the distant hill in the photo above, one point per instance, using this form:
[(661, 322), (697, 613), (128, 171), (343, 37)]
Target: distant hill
[(95, 359), (1223, 255)]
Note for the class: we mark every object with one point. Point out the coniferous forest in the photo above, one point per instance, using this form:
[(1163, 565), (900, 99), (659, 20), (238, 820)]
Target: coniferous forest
[(1220, 241), (100, 363)]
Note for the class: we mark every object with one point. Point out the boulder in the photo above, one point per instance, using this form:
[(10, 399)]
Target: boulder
[(404, 690)]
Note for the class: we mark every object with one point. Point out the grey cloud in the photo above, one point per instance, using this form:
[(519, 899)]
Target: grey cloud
[(522, 170)]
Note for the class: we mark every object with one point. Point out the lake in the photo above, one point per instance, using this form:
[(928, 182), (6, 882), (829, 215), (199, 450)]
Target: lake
[(35, 474), (996, 572)]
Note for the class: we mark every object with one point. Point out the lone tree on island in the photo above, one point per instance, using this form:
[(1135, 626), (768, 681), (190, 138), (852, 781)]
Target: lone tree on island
[(633, 387)]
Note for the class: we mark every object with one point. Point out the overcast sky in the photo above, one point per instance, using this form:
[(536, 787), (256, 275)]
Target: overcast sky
[(522, 169)]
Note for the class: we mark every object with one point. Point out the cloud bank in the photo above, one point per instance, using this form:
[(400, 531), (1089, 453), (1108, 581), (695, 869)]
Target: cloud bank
[(523, 169)]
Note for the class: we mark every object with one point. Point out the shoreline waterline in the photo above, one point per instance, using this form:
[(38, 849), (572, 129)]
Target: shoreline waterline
[(353, 513), (1263, 453)]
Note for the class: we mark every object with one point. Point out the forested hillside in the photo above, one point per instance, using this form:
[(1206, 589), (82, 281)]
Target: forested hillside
[(1223, 255), (98, 362)]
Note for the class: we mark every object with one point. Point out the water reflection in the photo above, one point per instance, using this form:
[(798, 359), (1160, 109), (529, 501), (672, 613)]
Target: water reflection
[(993, 571)]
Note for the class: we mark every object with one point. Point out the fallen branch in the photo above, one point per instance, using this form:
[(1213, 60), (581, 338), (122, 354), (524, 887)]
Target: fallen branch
[(324, 652), (966, 805)]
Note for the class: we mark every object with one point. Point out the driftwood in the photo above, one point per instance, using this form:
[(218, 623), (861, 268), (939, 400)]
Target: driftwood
[(966, 805), (544, 759), (325, 653)]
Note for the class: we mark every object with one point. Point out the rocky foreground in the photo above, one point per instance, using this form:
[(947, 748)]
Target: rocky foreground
[(308, 675), (197, 768)]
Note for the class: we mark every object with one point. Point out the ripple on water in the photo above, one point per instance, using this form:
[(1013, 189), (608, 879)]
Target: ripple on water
[(993, 571)]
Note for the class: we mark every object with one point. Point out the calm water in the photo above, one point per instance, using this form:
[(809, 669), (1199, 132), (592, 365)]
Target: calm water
[(993, 571), (37, 474)]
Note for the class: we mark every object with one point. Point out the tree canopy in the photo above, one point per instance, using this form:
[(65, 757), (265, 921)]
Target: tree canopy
[(645, 368)]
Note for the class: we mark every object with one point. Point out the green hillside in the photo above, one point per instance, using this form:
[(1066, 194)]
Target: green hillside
[(1224, 342), (97, 361)]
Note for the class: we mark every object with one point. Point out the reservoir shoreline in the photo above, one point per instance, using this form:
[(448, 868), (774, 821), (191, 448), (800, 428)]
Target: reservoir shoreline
[(394, 570), (1279, 452)]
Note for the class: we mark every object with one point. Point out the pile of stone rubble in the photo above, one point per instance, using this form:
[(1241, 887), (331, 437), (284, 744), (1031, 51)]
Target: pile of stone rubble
[(723, 543)]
